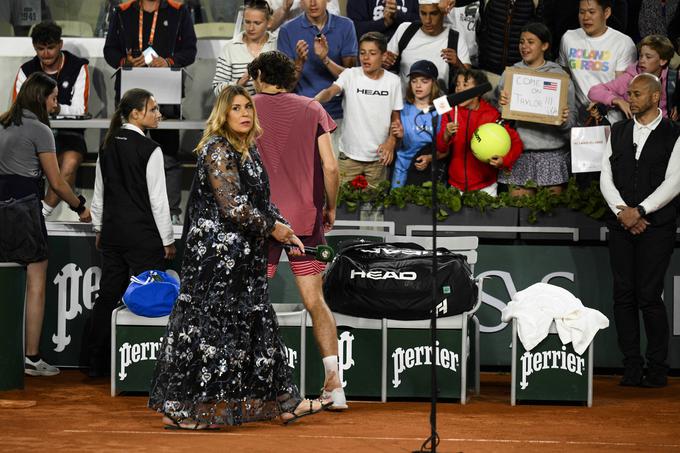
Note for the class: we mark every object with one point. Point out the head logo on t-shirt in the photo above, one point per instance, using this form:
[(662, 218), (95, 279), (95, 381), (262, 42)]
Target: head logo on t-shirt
[(367, 92), (589, 60)]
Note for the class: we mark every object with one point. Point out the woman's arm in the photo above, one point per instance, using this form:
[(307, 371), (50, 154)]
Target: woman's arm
[(222, 166), (50, 166)]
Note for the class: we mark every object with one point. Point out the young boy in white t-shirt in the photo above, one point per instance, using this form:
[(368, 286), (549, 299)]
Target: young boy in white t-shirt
[(595, 53), (371, 103)]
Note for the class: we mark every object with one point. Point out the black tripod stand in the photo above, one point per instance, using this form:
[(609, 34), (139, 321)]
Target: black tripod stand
[(431, 442)]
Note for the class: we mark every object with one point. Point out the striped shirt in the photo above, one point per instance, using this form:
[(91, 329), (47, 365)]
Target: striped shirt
[(233, 62)]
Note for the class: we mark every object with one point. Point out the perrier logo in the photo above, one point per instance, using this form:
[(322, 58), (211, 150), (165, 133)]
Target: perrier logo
[(405, 359), (134, 353), (545, 360)]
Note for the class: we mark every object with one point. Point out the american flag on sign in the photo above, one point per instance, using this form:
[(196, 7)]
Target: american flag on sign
[(552, 86)]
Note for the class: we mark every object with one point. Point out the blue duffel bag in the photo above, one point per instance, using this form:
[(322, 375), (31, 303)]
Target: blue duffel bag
[(151, 294)]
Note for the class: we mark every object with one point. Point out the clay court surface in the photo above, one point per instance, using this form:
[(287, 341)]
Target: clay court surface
[(75, 413)]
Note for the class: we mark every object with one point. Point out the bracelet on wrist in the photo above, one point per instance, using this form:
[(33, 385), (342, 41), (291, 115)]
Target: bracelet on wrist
[(81, 205)]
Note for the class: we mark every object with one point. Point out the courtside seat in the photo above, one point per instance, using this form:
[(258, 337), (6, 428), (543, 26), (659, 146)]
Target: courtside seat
[(336, 237), (72, 29), (6, 29), (372, 225), (13, 284), (454, 333), (135, 342), (361, 352), (75, 28), (551, 371), (214, 30)]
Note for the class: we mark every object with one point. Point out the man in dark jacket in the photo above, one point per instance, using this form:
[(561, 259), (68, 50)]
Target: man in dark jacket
[(381, 15), (163, 30), (499, 30)]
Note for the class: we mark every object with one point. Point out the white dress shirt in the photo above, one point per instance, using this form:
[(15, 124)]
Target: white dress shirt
[(664, 194), (155, 181)]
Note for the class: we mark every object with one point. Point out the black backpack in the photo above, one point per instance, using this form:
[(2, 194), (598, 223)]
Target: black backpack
[(410, 32)]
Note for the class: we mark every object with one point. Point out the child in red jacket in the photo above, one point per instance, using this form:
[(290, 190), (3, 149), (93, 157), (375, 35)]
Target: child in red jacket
[(466, 172)]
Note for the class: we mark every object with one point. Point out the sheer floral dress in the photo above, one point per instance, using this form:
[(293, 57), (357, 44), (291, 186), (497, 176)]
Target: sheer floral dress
[(222, 360)]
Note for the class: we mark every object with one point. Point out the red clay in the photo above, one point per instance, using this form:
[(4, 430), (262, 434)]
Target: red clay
[(74, 413)]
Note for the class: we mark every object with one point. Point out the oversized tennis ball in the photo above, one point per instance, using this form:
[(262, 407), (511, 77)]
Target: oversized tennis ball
[(490, 139)]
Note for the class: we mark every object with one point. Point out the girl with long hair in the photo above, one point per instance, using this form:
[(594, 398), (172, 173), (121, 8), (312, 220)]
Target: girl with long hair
[(545, 160), (222, 360), (414, 153), (130, 214), (27, 151)]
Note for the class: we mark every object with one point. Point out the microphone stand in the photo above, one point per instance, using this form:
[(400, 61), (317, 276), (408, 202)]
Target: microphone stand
[(453, 100), (431, 442)]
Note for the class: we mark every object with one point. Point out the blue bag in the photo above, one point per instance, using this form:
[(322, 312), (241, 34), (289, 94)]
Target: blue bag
[(151, 294)]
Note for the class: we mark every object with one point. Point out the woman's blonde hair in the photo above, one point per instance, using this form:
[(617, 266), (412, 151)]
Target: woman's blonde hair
[(218, 123)]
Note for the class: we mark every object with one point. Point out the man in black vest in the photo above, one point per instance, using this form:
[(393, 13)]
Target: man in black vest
[(640, 180), (73, 82)]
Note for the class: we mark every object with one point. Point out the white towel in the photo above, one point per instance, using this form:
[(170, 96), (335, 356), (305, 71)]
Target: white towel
[(537, 306)]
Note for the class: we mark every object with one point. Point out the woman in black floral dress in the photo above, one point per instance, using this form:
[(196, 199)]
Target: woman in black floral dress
[(222, 361)]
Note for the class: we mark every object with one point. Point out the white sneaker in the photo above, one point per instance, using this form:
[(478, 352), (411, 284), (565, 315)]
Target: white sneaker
[(334, 400), (39, 368)]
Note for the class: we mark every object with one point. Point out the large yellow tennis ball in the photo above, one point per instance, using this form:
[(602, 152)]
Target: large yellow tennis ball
[(490, 139)]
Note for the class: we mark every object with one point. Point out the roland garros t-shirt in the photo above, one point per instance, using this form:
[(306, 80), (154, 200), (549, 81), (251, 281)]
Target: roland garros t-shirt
[(368, 106), (592, 61)]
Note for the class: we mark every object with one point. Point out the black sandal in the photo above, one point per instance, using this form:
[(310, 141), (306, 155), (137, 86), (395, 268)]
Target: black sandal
[(192, 426), (295, 416)]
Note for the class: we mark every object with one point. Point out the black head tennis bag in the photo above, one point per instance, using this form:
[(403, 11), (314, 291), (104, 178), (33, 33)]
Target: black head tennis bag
[(394, 280)]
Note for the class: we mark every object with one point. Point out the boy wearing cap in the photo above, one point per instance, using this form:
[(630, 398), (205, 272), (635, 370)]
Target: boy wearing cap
[(372, 101)]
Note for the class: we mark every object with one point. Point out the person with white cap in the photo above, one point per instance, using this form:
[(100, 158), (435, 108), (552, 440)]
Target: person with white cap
[(430, 39)]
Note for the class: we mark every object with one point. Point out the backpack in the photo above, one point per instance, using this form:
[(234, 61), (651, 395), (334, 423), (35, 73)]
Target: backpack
[(452, 43)]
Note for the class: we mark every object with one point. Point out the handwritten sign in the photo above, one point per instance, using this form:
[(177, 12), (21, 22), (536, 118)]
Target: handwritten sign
[(535, 96)]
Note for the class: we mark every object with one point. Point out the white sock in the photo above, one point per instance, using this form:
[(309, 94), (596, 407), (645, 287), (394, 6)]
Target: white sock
[(330, 364), (46, 209)]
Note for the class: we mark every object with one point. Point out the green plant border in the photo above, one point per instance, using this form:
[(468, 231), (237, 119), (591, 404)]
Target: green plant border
[(588, 201)]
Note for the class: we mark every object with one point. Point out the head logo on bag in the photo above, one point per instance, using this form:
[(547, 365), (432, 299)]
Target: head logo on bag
[(151, 294)]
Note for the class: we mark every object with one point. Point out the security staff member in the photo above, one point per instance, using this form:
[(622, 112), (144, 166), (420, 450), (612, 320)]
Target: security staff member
[(163, 27), (640, 181)]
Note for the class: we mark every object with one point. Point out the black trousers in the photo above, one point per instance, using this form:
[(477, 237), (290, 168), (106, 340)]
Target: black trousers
[(639, 265), (117, 267)]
